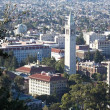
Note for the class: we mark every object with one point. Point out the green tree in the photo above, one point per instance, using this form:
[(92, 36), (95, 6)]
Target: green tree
[(55, 106), (48, 98), (44, 29), (13, 60), (66, 102), (98, 57), (88, 56), (45, 108), (19, 80), (87, 97), (6, 100), (75, 79), (97, 77), (59, 66), (80, 40), (49, 62)]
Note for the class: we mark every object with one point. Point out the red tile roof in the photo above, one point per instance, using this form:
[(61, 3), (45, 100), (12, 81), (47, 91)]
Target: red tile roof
[(34, 70), (46, 78), (57, 50), (24, 69)]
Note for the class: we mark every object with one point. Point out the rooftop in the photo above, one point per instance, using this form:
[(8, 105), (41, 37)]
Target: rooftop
[(32, 69), (57, 50), (47, 77)]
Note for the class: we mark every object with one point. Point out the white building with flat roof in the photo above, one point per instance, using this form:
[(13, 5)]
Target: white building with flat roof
[(90, 37), (60, 40), (103, 45)]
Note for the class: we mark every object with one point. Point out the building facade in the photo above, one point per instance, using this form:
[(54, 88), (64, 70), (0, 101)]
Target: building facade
[(46, 83), (90, 37), (60, 40), (21, 51), (90, 68), (70, 46), (107, 64), (103, 45), (34, 68)]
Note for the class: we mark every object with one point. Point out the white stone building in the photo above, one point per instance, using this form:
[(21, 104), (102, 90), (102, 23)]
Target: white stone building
[(70, 46), (46, 83), (57, 53), (103, 45), (60, 40), (90, 37)]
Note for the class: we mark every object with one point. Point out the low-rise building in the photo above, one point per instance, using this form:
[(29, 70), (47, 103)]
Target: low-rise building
[(34, 68), (60, 40), (46, 83), (103, 45), (57, 53), (90, 68), (82, 47), (90, 37), (47, 37)]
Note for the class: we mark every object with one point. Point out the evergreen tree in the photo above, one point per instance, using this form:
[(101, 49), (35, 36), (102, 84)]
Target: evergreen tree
[(87, 97), (88, 56), (80, 40), (98, 57)]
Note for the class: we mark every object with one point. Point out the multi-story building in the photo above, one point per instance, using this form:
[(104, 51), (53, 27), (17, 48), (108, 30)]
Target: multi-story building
[(47, 37), (90, 68), (103, 45), (21, 51), (90, 37), (57, 53), (60, 40), (46, 83), (107, 64)]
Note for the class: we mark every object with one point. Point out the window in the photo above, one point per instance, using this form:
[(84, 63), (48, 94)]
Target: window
[(67, 31)]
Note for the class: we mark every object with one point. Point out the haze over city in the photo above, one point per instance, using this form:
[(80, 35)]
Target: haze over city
[(54, 54)]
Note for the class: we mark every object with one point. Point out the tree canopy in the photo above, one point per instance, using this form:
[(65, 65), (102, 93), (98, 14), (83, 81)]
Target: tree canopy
[(87, 97), (98, 57), (80, 40)]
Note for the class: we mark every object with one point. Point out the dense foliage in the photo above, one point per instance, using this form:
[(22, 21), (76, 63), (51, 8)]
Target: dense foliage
[(58, 65), (6, 100), (10, 63), (85, 94), (80, 40)]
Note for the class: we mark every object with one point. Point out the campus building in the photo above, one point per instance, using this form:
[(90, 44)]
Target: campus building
[(22, 50), (46, 83)]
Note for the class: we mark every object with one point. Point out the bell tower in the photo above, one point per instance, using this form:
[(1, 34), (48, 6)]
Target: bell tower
[(70, 46)]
